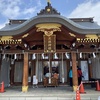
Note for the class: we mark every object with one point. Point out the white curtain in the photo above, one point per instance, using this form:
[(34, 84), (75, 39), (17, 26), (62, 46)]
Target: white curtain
[(5, 72), (96, 67), (40, 71), (62, 71), (18, 72), (84, 68)]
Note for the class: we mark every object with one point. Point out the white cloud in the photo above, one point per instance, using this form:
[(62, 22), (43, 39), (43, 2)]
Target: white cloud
[(39, 2), (87, 9), (13, 9), (18, 9), (9, 9), (11, 12), (29, 10), (32, 9)]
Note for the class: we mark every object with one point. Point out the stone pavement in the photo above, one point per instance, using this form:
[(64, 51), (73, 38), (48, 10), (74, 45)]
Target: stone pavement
[(49, 93)]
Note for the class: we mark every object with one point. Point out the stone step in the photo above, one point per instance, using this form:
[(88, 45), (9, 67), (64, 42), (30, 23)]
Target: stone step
[(50, 93), (45, 98)]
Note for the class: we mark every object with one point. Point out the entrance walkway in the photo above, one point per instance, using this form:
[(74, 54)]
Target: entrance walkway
[(49, 93)]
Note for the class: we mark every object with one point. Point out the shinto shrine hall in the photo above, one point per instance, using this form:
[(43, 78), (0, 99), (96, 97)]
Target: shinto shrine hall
[(46, 44)]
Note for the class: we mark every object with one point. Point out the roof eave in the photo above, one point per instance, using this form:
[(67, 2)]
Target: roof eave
[(49, 19)]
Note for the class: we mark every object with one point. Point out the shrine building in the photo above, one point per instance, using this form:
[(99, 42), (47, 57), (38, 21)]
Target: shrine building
[(46, 44)]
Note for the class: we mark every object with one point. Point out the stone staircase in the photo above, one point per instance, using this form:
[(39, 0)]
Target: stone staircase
[(49, 93), (45, 98)]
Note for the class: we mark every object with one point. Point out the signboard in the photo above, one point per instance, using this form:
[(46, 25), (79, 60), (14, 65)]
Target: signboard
[(49, 43)]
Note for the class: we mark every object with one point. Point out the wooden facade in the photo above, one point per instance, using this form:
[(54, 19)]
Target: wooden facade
[(53, 37)]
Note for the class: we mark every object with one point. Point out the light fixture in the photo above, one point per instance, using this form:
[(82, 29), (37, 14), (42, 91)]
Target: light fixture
[(67, 55), (34, 56), (94, 56), (80, 54)]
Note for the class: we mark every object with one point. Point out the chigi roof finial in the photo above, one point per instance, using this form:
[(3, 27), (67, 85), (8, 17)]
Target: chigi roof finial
[(48, 1), (48, 9)]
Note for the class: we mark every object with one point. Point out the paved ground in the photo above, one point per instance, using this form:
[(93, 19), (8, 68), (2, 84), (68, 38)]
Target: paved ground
[(49, 93)]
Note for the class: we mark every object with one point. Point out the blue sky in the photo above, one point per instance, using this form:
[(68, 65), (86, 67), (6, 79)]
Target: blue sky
[(25, 9)]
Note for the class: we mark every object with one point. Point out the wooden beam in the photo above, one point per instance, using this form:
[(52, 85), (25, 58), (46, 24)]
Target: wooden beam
[(89, 50)]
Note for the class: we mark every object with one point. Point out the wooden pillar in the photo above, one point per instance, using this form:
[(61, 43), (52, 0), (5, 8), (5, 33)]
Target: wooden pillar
[(12, 74), (68, 68), (90, 70), (25, 73), (74, 70)]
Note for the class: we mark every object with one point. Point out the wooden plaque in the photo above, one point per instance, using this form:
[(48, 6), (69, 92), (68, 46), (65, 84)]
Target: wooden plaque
[(50, 43)]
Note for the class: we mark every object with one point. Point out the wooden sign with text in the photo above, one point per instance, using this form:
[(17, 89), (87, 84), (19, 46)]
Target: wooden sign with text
[(49, 43)]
